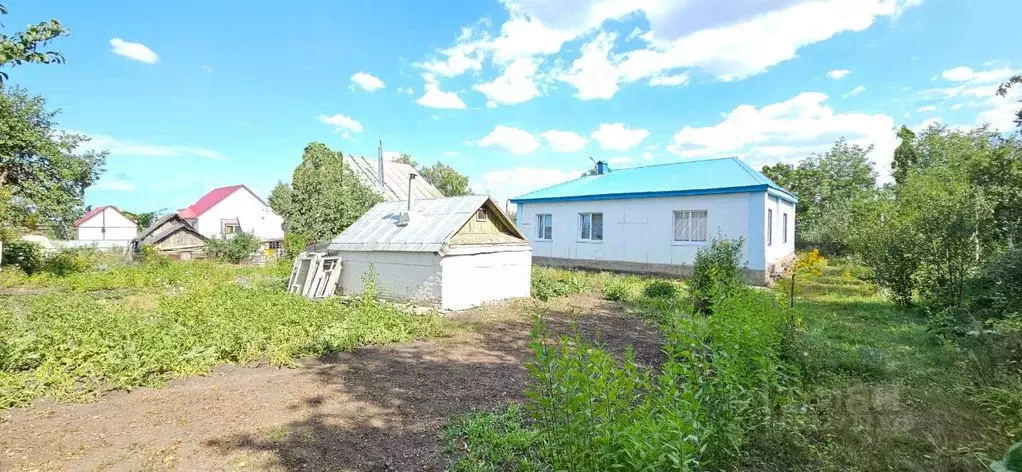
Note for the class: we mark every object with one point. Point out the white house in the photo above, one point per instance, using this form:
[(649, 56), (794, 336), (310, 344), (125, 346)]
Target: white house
[(227, 210), (454, 253), (653, 219), (105, 223)]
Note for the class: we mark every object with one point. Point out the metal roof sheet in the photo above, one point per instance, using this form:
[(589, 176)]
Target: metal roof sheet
[(701, 177), (433, 223), (395, 179)]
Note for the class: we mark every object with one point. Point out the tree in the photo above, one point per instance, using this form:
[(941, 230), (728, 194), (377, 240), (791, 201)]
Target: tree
[(145, 220), (42, 177), (407, 159), (905, 156), (325, 196), (447, 180), (23, 47), (1003, 91)]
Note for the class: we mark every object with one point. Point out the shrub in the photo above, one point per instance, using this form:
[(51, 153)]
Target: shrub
[(152, 256), (294, 244), (616, 292), (26, 255), (550, 283), (234, 249), (660, 289), (69, 261), (717, 272)]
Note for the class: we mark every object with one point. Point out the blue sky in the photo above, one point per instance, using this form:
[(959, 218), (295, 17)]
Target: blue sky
[(517, 94)]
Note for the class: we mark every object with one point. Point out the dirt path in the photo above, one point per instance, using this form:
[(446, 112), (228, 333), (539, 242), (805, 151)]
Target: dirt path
[(377, 408)]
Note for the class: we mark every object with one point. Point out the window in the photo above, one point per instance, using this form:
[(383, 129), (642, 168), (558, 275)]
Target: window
[(481, 215), (690, 225), (591, 226), (229, 226), (273, 245), (770, 227), (545, 227), (784, 228)]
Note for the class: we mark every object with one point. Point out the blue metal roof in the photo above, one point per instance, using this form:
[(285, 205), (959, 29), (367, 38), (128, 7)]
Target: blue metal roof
[(702, 177)]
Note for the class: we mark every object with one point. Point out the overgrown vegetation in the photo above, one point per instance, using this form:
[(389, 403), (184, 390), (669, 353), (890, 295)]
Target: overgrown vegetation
[(845, 380), (140, 325), (233, 248)]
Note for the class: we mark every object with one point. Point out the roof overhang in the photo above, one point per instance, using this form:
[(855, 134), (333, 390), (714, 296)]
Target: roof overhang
[(673, 193)]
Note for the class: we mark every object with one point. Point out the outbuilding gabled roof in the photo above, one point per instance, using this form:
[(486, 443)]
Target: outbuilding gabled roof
[(699, 177), (432, 225), (164, 227), (395, 179), (95, 211)]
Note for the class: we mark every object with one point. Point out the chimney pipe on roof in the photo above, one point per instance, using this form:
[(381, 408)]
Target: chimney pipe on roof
[(602, 168), (406, 216), (379, 166)]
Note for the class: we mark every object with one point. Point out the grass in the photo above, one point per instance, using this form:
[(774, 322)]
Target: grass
[(139, 325)]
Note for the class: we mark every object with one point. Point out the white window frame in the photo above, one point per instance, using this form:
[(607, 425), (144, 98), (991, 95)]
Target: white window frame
[(234, 228), (481, 215), (541, 227), (687, 214), (784, 227), (582, 237), (770, 227)]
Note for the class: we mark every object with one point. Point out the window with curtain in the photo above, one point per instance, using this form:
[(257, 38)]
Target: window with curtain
[(690, 225), (590, 226), (544, 227)]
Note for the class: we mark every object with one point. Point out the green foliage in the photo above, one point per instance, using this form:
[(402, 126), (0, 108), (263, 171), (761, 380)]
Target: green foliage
[(1012, 461), (1003, 89), (233, 248), (616, 292), (149, 323), (25, 255), (905, 155), (550, 283), (890, 245), (23, 47), (294, 244), (42, 177), (717, 272), (69, 261), (325, 196), (491, 441), (152, 256), (146, 219), (660, 289), (447, 180)]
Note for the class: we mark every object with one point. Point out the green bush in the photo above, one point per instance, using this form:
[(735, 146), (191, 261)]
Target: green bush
[(551, 283), (294, 244), (616, 292), (26, 255), (717, 272), (234, 248), (660, 289), (69, 261)]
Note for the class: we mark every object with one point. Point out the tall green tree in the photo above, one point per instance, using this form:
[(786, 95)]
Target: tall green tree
[(407, 159), (43, 176), (23, 47), (447, 180), (325, 196), (145, 219), (905, 155)]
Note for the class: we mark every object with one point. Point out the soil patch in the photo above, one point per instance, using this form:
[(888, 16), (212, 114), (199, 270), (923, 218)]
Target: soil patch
[(376, 408)]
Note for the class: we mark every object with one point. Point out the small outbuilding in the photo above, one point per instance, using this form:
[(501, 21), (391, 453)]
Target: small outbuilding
[(455, 253), (172, 235)]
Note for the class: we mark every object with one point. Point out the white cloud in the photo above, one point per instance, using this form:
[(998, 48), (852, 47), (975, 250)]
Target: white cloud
[(926, 109), (564, 141), (406, 90), (513, 140), (367, 82), (121, 147), (515, 85), (966, 74), (1000, 112), (838, 74), (343, 125), (670, 80), (647, 156), (855, 91), (510, 183), (786, 131), (134, 51), (921, 126), (208, 69), (436, 98), (618, 136), (118, 185), (592, 74), (957, 106)]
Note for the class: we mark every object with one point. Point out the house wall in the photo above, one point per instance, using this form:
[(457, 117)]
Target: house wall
[(181, 239), (780, 250), (118, 227), (638, 234), (252, 215), (498, 273), (400, 276)]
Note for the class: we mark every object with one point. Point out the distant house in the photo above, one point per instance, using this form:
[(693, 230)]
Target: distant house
[(228, 210), (455, 253), (653, 219), (172, 235), (105, 223), (390, 179)]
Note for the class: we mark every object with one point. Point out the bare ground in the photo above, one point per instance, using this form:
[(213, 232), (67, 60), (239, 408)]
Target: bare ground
[(376, 408)]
